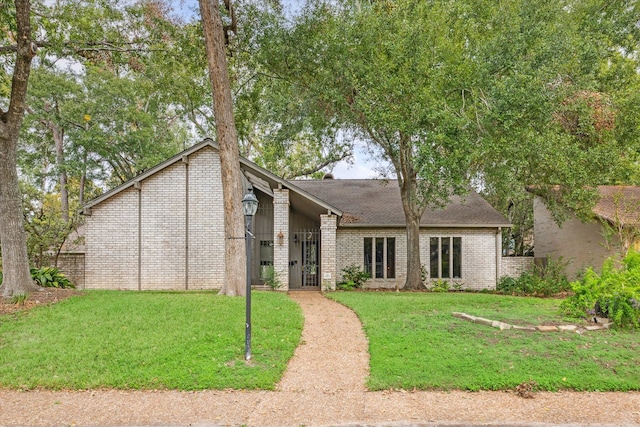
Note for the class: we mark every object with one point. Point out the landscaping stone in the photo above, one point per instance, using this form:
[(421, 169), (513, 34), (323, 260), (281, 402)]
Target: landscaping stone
[(503, 326), (603, 324), (523, 328), (483, 321), (546, 328)]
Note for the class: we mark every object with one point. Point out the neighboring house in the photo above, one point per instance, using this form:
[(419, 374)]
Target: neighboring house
[(583, 244), (164, 230)]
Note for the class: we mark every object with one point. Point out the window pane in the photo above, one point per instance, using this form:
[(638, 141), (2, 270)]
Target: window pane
[(457, 257), (444, 258), (368, 250), (379, 258), (433, 257), (391, 258)]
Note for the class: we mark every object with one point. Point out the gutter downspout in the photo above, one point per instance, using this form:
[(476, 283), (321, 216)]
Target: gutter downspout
[(498, 253), (185, 160), (138, 186)]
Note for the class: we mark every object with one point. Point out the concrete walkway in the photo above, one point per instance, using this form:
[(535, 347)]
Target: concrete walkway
[(323, 386)]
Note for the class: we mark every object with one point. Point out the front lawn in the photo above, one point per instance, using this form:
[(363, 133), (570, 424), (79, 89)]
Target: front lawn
[(415, 342), (149, 340)]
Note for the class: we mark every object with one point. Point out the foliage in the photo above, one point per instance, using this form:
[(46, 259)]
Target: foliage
[(19, 299), (149, 340), (415, 342), (272, 278), (352, 278), (614, 293), (440, 285), (543, 280), (50, 277)]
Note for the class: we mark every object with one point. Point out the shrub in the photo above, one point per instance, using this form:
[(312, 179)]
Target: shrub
[(50, 277), (272, 278), (440, 286), (352, 278), (614, 293), (542, 281)]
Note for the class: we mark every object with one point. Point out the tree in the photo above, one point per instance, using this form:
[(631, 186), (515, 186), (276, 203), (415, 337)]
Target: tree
[(15, 262), (214, 34), (402, 84), (104, 35), (458, 92)]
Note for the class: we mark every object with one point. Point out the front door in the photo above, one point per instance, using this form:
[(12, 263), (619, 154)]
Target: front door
[(310, 264)]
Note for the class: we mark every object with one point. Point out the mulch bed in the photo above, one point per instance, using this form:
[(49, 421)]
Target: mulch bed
[(45, 296)]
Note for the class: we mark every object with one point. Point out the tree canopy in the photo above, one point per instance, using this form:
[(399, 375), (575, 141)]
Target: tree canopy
[(498, 94)]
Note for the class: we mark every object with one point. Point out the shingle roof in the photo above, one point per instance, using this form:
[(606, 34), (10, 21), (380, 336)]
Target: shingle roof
[(619, 204), (370, 202)]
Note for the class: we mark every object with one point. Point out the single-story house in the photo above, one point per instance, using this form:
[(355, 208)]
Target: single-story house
[(583, 244), (164, 230)]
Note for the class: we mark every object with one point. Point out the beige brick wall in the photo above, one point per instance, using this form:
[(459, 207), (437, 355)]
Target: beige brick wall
[(281, 228), (328, 225), (206, 221), (112, 243), (72, 266), (479, 262), (516, 265), (113, 236), (579, 243)]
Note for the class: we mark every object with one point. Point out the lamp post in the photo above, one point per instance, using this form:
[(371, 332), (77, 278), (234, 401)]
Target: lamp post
[(249, 207)]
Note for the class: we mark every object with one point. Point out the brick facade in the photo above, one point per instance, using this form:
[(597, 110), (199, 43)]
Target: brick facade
[(481, 254), (581, 244), (328, 239), (281, 235), (140, 237), (516, 265), (166, 231)]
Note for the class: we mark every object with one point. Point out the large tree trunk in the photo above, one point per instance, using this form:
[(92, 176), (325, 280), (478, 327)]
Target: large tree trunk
[(413, 210), (412, 213), (235, 257), (13, 238)]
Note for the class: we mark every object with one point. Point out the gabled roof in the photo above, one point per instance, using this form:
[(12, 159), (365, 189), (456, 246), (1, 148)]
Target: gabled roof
[(377, 203), (259, 177), (619, 204)]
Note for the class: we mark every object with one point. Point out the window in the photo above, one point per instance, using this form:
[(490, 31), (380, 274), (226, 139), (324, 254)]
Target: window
[(380, 257), (266, 257), (445, 257)]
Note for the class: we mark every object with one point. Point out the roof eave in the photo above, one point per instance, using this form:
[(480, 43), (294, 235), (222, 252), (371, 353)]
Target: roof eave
[(361, 225)]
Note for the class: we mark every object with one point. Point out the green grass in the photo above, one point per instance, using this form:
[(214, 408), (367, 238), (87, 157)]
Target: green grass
[(149, 340), (415, 342)]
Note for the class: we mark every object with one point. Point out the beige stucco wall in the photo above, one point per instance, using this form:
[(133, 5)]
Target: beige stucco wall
[(480, 256), (153, 247), (579, 243)]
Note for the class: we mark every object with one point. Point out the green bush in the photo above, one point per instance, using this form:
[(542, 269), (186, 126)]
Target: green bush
[(614, 293), (50, 277), (352, 278), (440, 286), (272, 278), (541, 281)]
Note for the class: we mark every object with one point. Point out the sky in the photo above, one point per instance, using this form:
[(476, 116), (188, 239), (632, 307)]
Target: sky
[(363, 165)]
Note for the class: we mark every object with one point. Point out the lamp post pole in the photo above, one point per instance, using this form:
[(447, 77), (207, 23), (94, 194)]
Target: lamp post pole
[(249, 207), (247, 334)]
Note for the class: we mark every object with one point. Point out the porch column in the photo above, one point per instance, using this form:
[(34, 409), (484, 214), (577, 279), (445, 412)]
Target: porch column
[(328, 268), (281, 236)]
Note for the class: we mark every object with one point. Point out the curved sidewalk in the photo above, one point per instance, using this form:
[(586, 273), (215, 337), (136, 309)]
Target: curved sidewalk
[(324, 385)]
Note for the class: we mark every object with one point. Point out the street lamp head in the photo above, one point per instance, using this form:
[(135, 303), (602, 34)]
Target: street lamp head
[(249, 203)]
